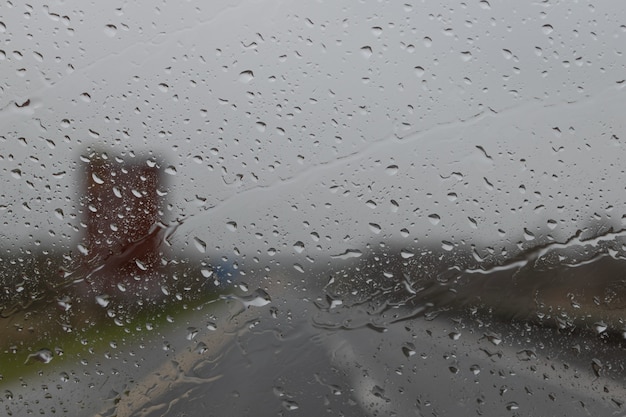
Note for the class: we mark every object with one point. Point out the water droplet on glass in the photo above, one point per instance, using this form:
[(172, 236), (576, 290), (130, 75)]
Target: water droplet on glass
[(493, 338), (298, 247), (58, 213), (290, 405), (110, 30), (434, 219), (419, 71), (528, 235), (42, 355), (232, 226), (102, 300), (375, 228), (246, 76), (16, 173), (366, 51), (163, 87), (391, 170), (447, 246), (512, 406), (466, 56), (408, 349), (170, 170), (199, 244), (97, 179), (526, 355), (260, 126), (377, 31), (600, 327), (349, 253), (547, 29), (191, 332)]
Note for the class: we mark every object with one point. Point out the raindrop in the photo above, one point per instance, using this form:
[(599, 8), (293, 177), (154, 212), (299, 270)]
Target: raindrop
[(349, 253), (485, 5), (466, 56), (377, 31), (408, 350), (102, 300), (526, 355), (512, 406), (199, 244), (366, 51), (551, 224), (547, 29), (600, 327), (493, 338), (246, 76), (371, 204), (375, 228), (170, 170), (42, 355), (3, 27), (192, 332), (419, 71), (528, 235), (16, 173), (298, 247), (596, 365), (232, 226), (97, 179), (258, 298), (391, 170), (163, 87), (406, 254), (110, 30), (260, 126), (290, 405), (427, 42), (434, 219), (454, 335), (447, 246)]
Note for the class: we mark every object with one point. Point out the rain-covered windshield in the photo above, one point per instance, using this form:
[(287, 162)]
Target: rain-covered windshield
[(235, 208)]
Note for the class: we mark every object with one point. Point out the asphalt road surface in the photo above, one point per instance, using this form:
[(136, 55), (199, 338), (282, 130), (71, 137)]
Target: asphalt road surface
[(252, 357)]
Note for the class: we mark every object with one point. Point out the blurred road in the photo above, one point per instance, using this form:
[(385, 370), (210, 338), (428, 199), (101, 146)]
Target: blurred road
[(247, 356)]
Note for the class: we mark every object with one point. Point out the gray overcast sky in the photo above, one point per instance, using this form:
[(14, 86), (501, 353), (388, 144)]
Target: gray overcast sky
[(351, 120)]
